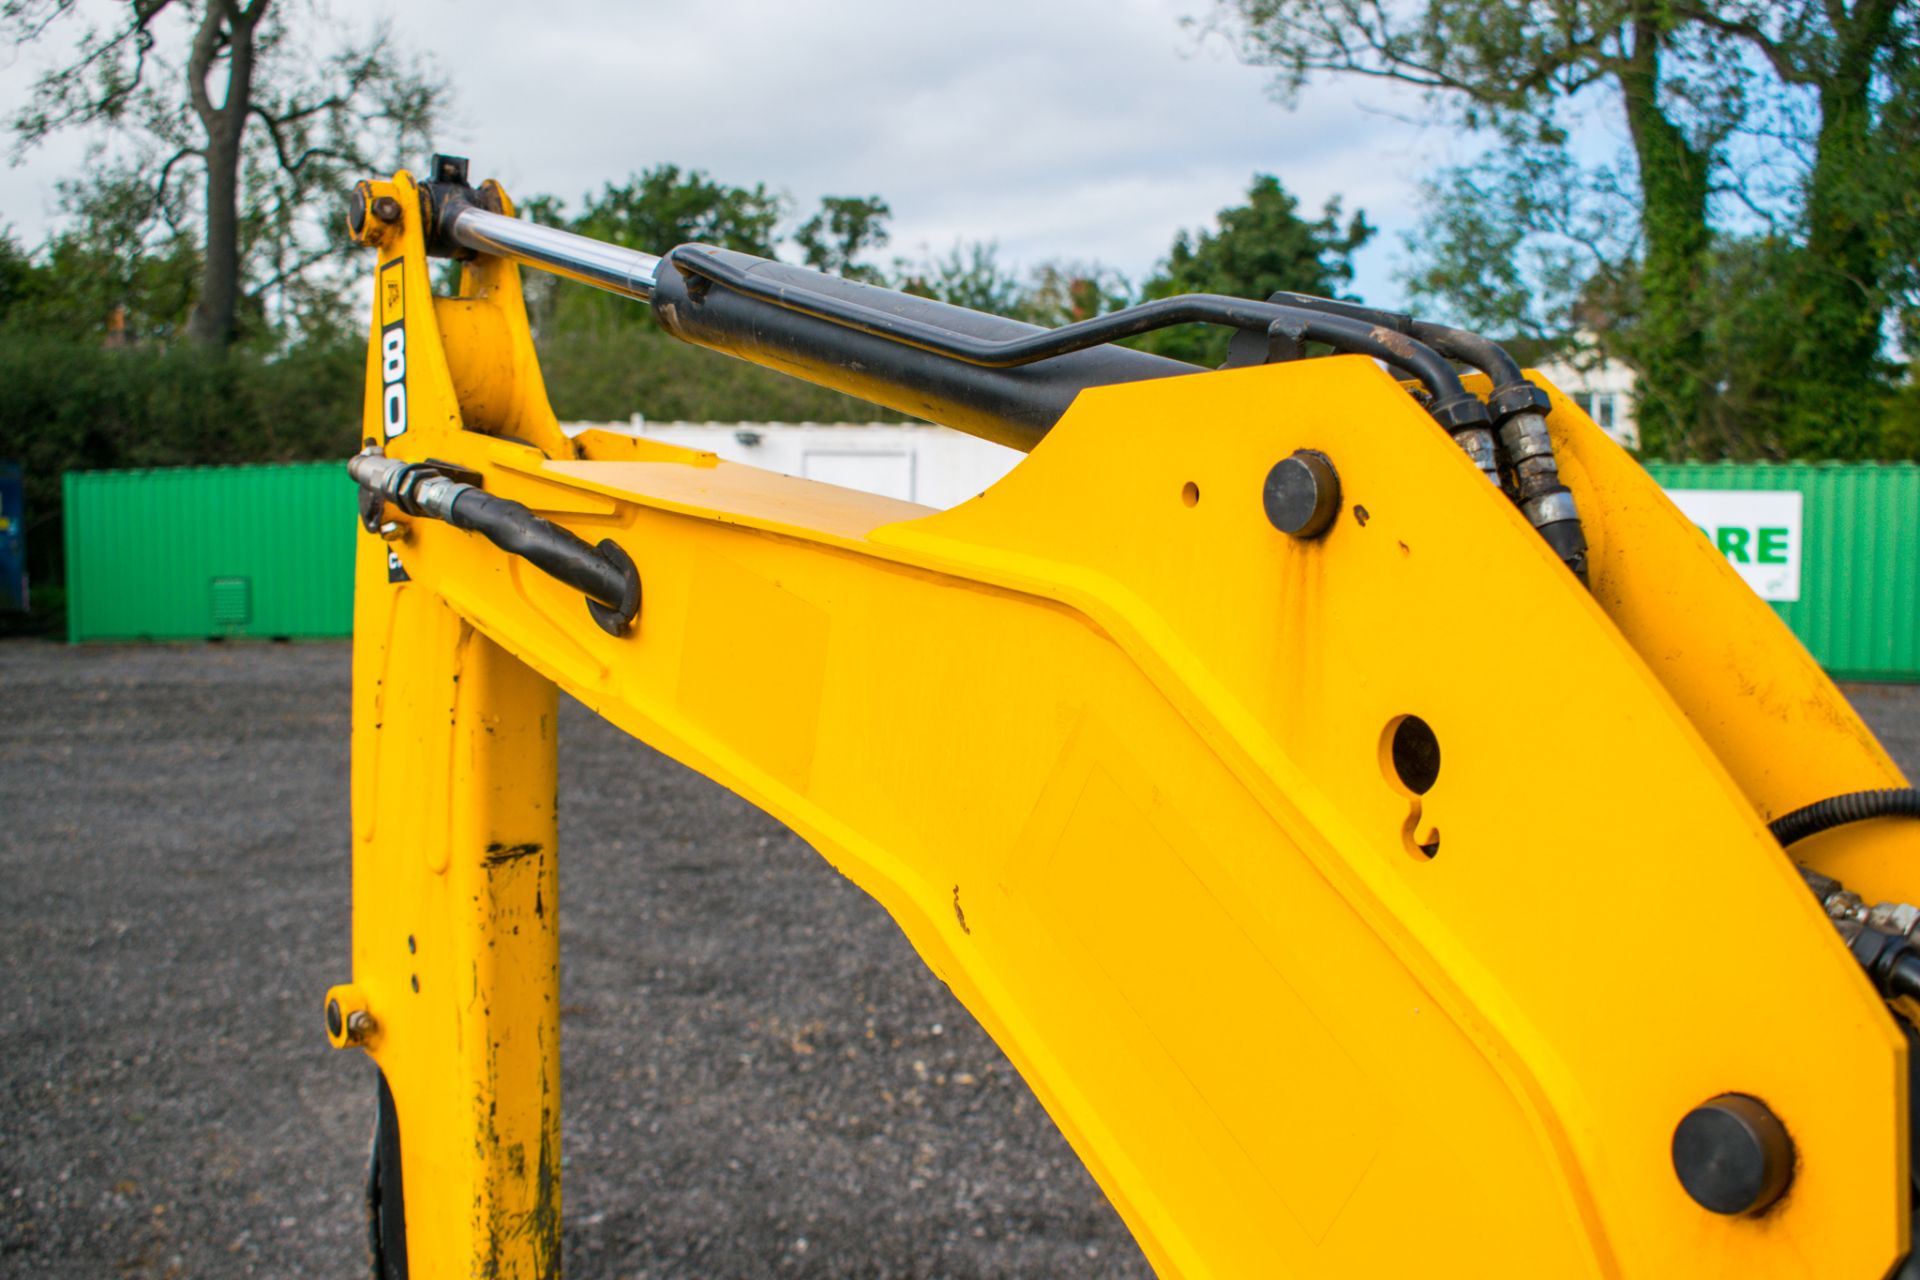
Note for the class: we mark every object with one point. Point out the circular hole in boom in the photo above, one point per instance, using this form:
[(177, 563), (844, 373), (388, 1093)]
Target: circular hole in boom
[(1413, 751)]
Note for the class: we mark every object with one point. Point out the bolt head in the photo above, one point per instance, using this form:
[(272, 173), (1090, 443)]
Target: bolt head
[(387, 209), (1732, 1155), (1302, 494)]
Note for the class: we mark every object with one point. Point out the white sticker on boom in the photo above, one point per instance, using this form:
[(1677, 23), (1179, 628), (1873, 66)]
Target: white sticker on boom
[(393, 349)]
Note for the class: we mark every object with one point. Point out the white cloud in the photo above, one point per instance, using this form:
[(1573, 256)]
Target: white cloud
[(1081, 129)]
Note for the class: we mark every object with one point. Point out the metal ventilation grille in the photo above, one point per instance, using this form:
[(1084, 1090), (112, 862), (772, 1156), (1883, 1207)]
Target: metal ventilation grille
[(232, 602)]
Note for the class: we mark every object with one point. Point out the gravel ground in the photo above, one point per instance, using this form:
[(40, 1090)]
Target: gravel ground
[(760, 1077)]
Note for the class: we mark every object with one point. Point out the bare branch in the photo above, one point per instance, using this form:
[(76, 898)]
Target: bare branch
[(1784, 65), (296, 114), (29, 28), (272, 115), (1737, 189), (68, 87), (294, 166), (299, 267), (166, 172), (1439, 55)]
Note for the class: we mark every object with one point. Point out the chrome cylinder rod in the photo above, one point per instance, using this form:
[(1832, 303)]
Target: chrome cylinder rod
[(605, 266)]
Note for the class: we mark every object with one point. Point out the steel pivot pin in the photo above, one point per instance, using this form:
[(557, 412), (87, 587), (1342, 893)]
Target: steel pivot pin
[(1732, 1155), (1302, 494)]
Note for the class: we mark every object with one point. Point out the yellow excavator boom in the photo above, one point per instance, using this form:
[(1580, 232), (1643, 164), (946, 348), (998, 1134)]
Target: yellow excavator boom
[(1360, 891)]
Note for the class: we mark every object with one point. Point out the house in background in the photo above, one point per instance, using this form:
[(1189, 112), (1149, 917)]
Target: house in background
[(1602, 387)]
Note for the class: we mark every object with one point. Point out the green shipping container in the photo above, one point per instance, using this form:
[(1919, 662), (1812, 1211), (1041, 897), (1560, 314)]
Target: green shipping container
[(268, 551), (199, 552), (1855, 586)]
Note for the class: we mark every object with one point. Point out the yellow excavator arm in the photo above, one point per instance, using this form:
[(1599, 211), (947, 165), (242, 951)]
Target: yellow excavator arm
[(1361, 890)]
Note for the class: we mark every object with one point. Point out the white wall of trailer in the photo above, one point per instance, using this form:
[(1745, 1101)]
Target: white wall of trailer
[(933, 466), (940, 468)]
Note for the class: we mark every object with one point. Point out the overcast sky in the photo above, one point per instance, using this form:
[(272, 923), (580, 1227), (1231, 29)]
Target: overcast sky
[(1080, 129)]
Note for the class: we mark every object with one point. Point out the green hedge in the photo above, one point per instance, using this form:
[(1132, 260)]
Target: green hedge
[(67, 406), (607, 373), (71, 407)]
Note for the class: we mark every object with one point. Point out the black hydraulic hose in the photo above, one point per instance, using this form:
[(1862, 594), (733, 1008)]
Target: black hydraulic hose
[(1340, 331), (1836, 811), (1519, 412), (1512, 393), (604, 574), (1484, 354), (1398, 321), (518, 531)]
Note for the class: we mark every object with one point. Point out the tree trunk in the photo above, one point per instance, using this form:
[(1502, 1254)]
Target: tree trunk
[(1669, 345), (215, 313), (1838, 284), (214, 321)]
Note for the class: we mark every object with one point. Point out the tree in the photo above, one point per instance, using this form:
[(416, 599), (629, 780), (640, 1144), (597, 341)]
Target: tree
[(1508, 247), (968, 275), (1844, 105), (1509, 65), (275, 122), (1258, 248), (656, 210), (846, 226), (1688, 81), (653, 211), (1900, 136), (1062, 292), (19, 280), (101, 269)]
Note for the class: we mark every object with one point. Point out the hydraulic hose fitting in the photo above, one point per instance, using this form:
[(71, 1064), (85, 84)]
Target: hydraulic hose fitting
[(1887, 952), (1547, 503), (1890, 960), (1467, 421), (605, 573), (1521, 409), (418, 489), (1512, 398)]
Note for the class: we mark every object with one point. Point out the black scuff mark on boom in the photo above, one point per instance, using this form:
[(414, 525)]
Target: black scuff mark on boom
[(499, 854)]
